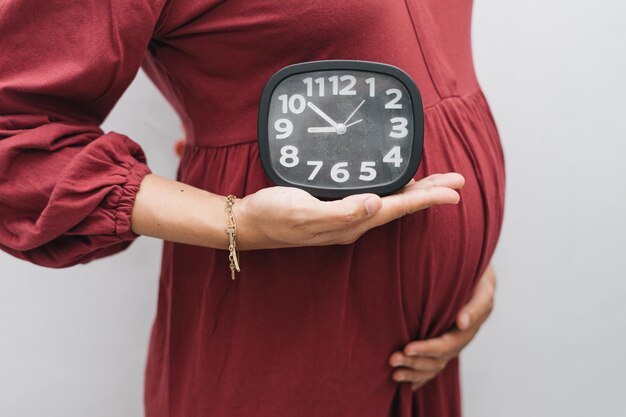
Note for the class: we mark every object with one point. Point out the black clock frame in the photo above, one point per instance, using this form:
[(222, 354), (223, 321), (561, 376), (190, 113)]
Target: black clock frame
[(366, 66)]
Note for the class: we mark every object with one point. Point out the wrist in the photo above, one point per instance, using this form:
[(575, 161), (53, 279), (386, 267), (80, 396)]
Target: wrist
[(245, 226)]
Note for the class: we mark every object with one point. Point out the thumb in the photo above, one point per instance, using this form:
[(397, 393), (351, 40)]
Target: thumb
[(478, 307), (347, 212), (372, 203)]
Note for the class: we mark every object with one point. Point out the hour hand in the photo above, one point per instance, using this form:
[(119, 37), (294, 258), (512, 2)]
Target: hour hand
[(322, 114), (322, 130)]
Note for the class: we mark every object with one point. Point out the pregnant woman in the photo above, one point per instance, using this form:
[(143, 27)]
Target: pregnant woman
[(328, 291)]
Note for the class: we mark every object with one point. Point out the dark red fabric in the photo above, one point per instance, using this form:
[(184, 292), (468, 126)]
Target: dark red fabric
[(302, 332)]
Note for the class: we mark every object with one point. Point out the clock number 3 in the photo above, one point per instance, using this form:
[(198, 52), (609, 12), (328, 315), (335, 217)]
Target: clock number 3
[(398, 127)]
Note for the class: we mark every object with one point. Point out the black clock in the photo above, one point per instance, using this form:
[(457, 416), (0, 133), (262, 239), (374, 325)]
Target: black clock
[(336, 128)]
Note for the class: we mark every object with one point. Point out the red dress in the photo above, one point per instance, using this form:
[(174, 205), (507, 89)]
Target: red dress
[(302, 332)]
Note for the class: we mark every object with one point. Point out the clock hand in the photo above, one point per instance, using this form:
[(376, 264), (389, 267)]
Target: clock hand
[(341, 128), (353, 123), (322, 130), (322, 114), (355, 110)]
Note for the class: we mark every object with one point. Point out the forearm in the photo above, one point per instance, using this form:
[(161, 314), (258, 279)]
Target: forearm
[(174, 211)]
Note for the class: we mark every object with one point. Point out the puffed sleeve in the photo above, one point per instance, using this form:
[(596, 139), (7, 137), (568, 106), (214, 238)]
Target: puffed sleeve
[(66, 188)]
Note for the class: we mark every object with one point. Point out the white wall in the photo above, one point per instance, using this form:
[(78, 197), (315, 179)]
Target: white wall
[(554, 73), (73, 342)]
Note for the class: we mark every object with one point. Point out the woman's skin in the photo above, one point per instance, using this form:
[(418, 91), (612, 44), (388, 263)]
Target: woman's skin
[(281, 217), (277, 217)]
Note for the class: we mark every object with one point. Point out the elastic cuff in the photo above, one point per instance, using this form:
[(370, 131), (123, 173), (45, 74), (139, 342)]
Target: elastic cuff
[(127, 200)]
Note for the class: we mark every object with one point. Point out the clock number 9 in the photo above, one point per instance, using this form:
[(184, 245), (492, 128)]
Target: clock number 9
[(284, 127), (289, 156)]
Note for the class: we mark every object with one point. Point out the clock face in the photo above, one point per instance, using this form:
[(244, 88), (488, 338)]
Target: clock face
[(335, 128)]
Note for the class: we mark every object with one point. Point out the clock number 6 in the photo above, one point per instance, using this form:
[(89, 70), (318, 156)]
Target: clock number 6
[(338, 173)]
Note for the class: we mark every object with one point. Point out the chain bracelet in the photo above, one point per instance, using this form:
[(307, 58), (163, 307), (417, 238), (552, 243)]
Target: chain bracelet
[(231, 231)]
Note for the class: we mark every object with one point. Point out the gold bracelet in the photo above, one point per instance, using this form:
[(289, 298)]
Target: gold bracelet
[(231, 231)]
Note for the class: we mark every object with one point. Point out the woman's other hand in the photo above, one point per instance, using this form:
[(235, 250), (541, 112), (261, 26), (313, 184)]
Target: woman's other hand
[(287, 217), (422, 360)]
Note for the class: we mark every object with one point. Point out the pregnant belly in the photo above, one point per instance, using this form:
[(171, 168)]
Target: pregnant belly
[(312, 328), (444, 250)]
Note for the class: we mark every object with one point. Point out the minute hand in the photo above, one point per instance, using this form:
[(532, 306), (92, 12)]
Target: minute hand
[(322, 114)]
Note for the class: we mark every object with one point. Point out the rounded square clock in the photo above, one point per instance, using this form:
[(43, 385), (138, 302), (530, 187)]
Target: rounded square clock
[(336, 128)]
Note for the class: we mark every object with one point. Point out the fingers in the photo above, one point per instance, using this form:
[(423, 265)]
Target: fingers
[(422, 360), (416, 370), (450, 180), (416, 378), (443, 347), (478, 308), (344, 221), (417, 363), (328, 216), (433, 190), (414, 198)]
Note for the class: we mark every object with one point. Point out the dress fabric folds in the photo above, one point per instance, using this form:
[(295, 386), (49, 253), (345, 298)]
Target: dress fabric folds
[(302, 332)]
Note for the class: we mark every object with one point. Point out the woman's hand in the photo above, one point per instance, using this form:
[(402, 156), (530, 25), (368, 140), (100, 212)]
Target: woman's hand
[(423, 360), (278, 217)]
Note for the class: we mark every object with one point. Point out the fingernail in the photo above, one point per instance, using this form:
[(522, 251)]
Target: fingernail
[(465, 320), (372, 205), (397, 360), (399, 377)]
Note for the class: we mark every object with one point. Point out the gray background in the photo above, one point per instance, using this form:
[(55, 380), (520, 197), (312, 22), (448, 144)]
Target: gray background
[(73, 342)]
